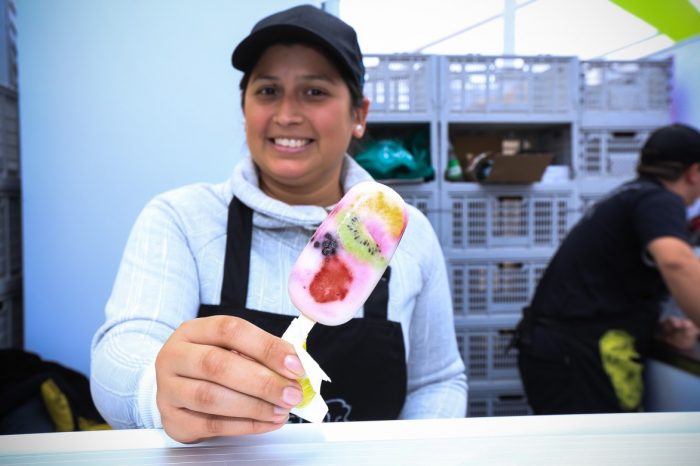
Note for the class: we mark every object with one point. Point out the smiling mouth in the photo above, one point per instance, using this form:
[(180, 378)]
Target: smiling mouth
[(291, 143)]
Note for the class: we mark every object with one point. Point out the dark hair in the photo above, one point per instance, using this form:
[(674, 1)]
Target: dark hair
[(669, 151), (668, 170), (356, 94)]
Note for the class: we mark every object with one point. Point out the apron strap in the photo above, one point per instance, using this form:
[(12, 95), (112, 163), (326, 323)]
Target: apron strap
[(378, 302), (239, 235)]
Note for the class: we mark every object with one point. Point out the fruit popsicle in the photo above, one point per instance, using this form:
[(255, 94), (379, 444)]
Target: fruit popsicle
[(336, 272), (342, 263)]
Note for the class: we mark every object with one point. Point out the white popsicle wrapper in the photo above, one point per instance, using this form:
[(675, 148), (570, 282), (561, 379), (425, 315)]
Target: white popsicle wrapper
[(315, 409)]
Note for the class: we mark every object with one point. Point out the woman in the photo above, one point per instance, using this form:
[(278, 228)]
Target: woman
[(223, 253)]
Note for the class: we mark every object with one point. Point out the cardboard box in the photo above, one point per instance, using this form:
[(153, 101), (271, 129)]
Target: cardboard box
[(520, 168), (474, 145)]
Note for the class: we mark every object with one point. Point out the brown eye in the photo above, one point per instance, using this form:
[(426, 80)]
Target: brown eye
[(314, 92), (266, 91)]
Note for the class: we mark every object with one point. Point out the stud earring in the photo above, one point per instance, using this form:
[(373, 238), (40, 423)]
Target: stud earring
[(359, 127)]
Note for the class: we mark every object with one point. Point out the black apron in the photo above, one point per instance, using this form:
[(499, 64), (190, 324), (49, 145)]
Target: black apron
[(365, 358)]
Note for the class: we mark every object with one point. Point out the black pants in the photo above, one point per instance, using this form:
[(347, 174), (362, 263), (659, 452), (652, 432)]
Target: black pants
[(560, 378)]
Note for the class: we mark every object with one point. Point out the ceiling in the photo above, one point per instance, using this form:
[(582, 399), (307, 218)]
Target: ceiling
[(610, 29)]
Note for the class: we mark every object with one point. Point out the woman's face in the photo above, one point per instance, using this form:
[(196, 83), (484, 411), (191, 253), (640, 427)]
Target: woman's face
[(299, 121)]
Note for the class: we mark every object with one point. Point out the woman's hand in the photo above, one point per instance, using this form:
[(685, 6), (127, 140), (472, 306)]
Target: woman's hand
[(678, 333), (222, 375)]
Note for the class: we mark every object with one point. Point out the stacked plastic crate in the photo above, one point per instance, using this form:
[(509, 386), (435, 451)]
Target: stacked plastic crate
[(403, 89), (11, 308), (592, 117), (621, 103), (498, 238)]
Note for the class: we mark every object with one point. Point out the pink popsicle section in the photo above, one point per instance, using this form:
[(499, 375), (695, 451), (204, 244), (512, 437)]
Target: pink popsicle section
[(347, 255)]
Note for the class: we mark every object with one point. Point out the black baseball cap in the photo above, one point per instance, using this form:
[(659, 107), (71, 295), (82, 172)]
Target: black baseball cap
[(675, 143), (307, 24)]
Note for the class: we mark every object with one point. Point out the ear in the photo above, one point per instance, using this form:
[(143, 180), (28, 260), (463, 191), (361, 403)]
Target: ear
[(693, 174), (360, 118)]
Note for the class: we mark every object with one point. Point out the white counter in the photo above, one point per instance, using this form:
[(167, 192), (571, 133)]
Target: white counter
[(621, 439)]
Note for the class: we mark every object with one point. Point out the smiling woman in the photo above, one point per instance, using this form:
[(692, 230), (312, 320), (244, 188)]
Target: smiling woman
[(299, 123), (191, 340)]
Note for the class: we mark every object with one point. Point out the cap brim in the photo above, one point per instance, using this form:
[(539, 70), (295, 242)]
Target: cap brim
[(248, 52)]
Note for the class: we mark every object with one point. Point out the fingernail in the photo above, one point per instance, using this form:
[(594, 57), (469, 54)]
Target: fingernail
[(294, 364), (281, 421), (292, 396), (280, 410)]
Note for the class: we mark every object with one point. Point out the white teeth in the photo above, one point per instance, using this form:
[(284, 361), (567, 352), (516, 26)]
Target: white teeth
[(291, 142)]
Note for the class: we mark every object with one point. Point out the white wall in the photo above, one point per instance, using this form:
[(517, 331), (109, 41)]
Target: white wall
[(119, 100), (686, 80)]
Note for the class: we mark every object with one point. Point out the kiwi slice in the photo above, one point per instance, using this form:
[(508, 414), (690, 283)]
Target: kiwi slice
[(357, 241)]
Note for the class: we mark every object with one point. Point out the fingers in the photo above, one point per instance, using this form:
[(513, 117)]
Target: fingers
[(224, 376), (206, 397), (188, 426), (247, 339), (673, 323), (231, 370)]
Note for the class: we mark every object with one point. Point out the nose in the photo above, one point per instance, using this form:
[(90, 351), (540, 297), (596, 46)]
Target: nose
[(288, 111)]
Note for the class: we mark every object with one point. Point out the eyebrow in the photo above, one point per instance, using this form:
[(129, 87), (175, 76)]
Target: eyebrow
[(306, 77)]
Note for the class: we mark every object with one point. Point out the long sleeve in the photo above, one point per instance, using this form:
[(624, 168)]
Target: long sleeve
[(156, 288)]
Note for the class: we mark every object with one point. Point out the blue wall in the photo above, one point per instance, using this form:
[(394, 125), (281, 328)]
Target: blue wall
[(119, 100)]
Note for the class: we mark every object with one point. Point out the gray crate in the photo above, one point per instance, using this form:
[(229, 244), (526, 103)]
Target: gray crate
[(592, 189), (498, 403), (424, 198), (588, 199), (11, 319), (626, 86), (9, 136), (10, 236), (610, 152), (500, 217), (508, 84), (486, 353), (400, 84), (491, 287)]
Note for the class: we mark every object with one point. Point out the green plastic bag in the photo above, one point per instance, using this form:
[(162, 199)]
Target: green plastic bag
[(390, 158)]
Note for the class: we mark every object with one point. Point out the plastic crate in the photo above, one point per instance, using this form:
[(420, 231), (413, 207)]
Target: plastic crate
[(10, 236), (10, 44), (11, 320), (498, 217), (626, 86), (588, 199), (400, 83), (9, 135), (486, 354), (498, 403), (610, 152), (488, 84), (423, 198), (490, 287)]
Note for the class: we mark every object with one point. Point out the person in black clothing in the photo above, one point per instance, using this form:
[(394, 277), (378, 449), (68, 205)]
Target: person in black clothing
[(587, 332)]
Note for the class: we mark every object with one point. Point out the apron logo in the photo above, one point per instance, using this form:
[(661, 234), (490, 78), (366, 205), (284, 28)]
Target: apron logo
[(338, 410)]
